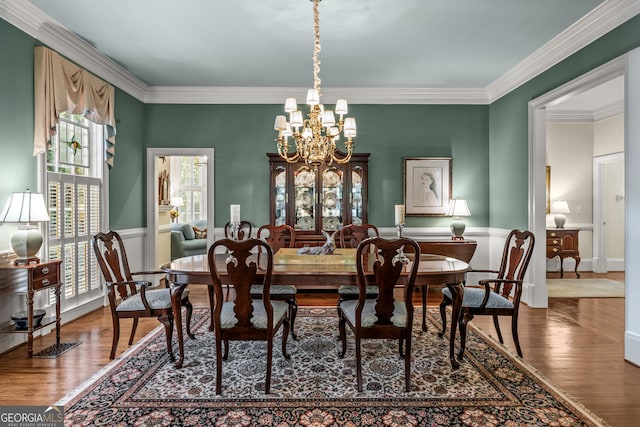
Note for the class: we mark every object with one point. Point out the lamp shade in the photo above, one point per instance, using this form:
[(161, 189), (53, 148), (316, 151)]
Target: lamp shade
[(560, 207), (25, 207), (458, 207)]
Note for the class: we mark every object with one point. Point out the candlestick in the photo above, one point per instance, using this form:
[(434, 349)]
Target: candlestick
[(401, 255), (399, 210), (235, 214)]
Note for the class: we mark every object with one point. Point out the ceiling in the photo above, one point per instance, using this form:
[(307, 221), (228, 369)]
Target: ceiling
[(402, 45)]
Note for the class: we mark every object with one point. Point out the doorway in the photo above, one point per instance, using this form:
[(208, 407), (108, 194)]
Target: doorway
[(536, 296), (159, 198)]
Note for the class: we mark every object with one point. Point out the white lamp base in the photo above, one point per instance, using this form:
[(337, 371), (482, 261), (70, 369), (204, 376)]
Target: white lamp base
[(559, 219), (26, 242)]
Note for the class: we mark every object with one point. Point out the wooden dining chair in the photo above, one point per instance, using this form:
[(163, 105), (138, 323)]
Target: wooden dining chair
[(244, 230), (129, 298), (280, 236), (385, 317), (495, 297), (350, 237), (245, 318)]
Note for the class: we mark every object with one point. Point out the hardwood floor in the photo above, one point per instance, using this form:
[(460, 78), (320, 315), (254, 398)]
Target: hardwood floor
[(577, 343)]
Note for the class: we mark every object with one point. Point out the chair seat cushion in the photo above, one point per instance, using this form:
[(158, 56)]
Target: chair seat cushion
[(353, 290), (473, 298), (259, 316), (399, 317), (158, 299), (275, 290)]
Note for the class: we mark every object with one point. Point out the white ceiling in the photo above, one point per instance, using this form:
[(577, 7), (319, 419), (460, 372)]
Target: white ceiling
[(411, 45)]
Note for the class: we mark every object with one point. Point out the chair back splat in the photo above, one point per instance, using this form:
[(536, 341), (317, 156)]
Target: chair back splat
[(245, 318)]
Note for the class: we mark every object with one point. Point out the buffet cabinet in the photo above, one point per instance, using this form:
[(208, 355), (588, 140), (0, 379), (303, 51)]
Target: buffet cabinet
[(312, 200), (563, 243)]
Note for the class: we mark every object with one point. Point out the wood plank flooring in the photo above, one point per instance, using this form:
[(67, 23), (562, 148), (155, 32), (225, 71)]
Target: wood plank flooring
[(577, 343)]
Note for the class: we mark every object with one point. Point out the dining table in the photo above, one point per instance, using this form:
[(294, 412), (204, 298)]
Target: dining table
[(432, 270)]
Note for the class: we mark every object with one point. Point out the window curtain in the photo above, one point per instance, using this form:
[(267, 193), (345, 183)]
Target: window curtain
[(61, 86)]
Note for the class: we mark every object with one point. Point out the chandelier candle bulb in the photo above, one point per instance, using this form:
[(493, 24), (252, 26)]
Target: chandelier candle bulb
[(235, 214), (399, 214)]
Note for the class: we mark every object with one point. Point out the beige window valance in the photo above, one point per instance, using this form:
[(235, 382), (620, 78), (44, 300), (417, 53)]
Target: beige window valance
[(61, 86)]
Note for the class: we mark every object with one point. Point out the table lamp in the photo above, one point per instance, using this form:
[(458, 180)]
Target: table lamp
[(457, 209), (559, 208), (27, 208)]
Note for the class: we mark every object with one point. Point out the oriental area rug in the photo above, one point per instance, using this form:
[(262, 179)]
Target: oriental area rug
[(318, 388)]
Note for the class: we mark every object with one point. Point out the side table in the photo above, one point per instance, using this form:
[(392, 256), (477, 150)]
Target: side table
[(27, 280)]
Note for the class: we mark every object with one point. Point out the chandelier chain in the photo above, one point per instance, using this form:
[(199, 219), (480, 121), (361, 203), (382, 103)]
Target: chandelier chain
[(316, 46)]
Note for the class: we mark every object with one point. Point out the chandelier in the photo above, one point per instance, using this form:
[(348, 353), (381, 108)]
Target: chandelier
[(316, 136)]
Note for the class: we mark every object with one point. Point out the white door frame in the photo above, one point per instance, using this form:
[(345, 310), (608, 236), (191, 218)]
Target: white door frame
[(536, 295), (600, 211), (152, 195)]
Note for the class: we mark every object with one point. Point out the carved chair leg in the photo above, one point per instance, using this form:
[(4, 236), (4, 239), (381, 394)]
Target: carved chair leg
[(496, 324), (358, 363), (226, 349), (218, 365), (285, 336), (514, 332), (267, 381), (443, 316), (343, 333), (423, 291), (134, 326), (293, 311), (116, 336), (211, 303), (407, 366)]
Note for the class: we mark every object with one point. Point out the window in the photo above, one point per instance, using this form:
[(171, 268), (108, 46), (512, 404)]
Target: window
[(74, 193), (191, 187)]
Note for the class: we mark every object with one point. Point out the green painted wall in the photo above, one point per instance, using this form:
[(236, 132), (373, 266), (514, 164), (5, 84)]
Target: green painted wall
[(127, 179), (17, 165), (488, 144), (242, 134), (508, 119)]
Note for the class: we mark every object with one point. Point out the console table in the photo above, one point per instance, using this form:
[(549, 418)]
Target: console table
[(563, 243), (27, 280)]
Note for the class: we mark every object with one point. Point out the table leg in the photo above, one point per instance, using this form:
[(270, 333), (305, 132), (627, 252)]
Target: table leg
[(457, 293), (176, 306)]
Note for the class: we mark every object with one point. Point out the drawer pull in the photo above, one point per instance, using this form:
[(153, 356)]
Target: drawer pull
[(552, 234), (555, 249), (555, 242), (45, 282), (45, 270)]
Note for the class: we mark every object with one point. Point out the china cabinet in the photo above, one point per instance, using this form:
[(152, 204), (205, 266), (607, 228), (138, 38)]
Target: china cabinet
[(312, 200)]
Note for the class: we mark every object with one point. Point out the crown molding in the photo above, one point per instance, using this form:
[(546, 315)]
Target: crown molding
[(27, 17), (277, 95), (582, 116), (30, 19), (589, 28)]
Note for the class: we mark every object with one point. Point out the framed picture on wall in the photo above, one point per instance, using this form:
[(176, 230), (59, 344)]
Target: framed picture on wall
[(427, 185)]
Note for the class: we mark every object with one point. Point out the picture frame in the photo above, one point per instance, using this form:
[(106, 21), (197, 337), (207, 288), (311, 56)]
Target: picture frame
[(427, 185)]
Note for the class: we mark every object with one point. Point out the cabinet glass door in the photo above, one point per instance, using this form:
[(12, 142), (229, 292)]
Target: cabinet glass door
[(305, 194), (332, 207), (280, 195), (356, 195)]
